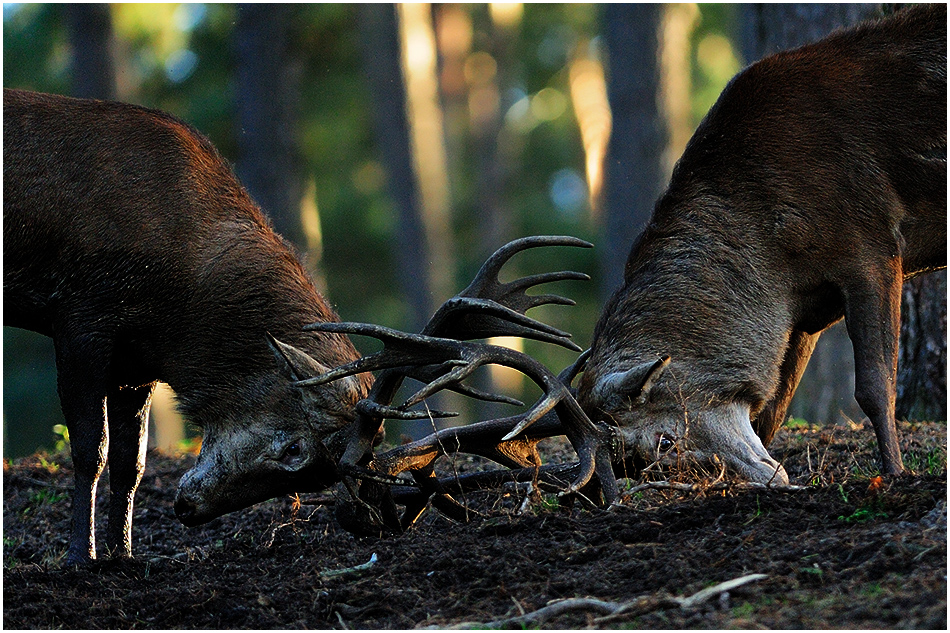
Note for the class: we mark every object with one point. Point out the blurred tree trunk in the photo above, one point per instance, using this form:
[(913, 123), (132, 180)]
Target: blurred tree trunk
[(93, 65), (427, 139), (770, 28), (268, 71), (634, 170), (379, 31), (827, 387), (486, 112), (922, 360)]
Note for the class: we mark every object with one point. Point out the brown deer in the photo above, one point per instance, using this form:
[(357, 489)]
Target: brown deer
[(812, 189), (129, 241)]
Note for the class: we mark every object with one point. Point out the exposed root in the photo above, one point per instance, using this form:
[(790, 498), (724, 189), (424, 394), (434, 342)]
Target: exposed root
[(613, 610)]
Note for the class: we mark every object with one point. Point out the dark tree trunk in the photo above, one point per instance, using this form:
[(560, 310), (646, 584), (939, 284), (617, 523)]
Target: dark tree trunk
[(634, 172), (379, 31), (770, 28), (922, 359), (90, 34), (268, 73)]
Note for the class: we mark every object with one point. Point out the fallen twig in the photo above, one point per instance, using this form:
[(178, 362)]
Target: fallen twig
[(39, 482), (613, 610), (332, 573), (703, 487)]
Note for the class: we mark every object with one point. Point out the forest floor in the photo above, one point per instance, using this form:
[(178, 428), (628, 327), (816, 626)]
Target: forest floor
[(848, 551)]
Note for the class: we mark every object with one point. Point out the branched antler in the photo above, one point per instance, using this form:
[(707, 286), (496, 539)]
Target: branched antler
[(487, 307), (441, 357)]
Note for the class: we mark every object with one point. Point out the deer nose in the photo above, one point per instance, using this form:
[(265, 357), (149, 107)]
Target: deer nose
[(185, 510)]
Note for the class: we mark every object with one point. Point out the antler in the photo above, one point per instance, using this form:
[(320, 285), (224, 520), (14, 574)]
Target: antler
[(450, 362), (487, 307), (442, 357)]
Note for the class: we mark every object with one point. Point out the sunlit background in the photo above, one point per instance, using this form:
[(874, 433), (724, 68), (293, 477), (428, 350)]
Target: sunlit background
[(509, 123)]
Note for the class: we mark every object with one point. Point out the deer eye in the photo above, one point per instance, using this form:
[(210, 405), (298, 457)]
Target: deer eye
[(291, 453), (665, 444)]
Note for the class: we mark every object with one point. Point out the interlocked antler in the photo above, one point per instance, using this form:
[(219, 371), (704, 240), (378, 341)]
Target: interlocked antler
[(487, 307), (442, 358)]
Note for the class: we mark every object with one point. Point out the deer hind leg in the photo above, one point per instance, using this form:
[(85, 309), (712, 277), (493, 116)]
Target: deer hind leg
[(82, 393), (128, 410), (872, 314), (772, 417)]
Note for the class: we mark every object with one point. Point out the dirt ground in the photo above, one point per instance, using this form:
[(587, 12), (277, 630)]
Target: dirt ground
[(849, 551)]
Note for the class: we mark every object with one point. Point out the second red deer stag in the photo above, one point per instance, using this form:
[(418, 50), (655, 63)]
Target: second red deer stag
[(813, 188)]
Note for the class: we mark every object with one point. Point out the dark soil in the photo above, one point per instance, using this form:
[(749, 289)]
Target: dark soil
[(850, 551)]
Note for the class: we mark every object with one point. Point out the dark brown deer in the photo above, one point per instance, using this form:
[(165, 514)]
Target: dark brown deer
[(813, 188), (128, 240)]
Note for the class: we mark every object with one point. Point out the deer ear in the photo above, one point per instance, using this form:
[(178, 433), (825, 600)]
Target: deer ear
[(633, 384), (296, 364), (299, 365)]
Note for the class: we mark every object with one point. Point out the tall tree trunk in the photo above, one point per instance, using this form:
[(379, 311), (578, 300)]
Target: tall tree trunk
[(634, 171), (90, 34), (268, 73), (827, 387), (379, 31), (922, 359), (770, 28)]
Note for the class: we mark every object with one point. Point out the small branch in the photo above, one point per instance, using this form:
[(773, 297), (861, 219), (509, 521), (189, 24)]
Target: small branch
[(39, 482), (701, 487), (711, 592), (613, 610), (332, 573)]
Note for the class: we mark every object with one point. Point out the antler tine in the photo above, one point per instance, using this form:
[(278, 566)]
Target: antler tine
[(468, 316), (368, 407), (545, 278), (540, 408), (569, 373), (399, 349), (488, 273), (480, 306)]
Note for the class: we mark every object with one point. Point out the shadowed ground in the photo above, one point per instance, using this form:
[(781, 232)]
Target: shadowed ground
[(848, 552)]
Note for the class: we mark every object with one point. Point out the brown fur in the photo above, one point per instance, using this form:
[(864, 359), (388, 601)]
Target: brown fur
[(128, 239), (811, 190)]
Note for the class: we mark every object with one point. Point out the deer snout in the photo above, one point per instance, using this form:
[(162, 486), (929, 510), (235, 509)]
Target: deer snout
[(190, 502), (186, 510)]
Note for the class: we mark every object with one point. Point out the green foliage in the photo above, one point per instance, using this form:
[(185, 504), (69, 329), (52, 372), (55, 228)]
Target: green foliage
[(46, 464), (863, 515), (550, 503), (63, 434), (46, 496), (929, 461), (757, 514), (798, 423), (844, 495)]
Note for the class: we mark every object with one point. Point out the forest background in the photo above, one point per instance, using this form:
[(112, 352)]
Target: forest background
[(397, 146)]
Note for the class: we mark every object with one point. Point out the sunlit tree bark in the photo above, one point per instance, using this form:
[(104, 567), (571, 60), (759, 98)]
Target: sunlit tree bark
[(427, 139), (379, 31)]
